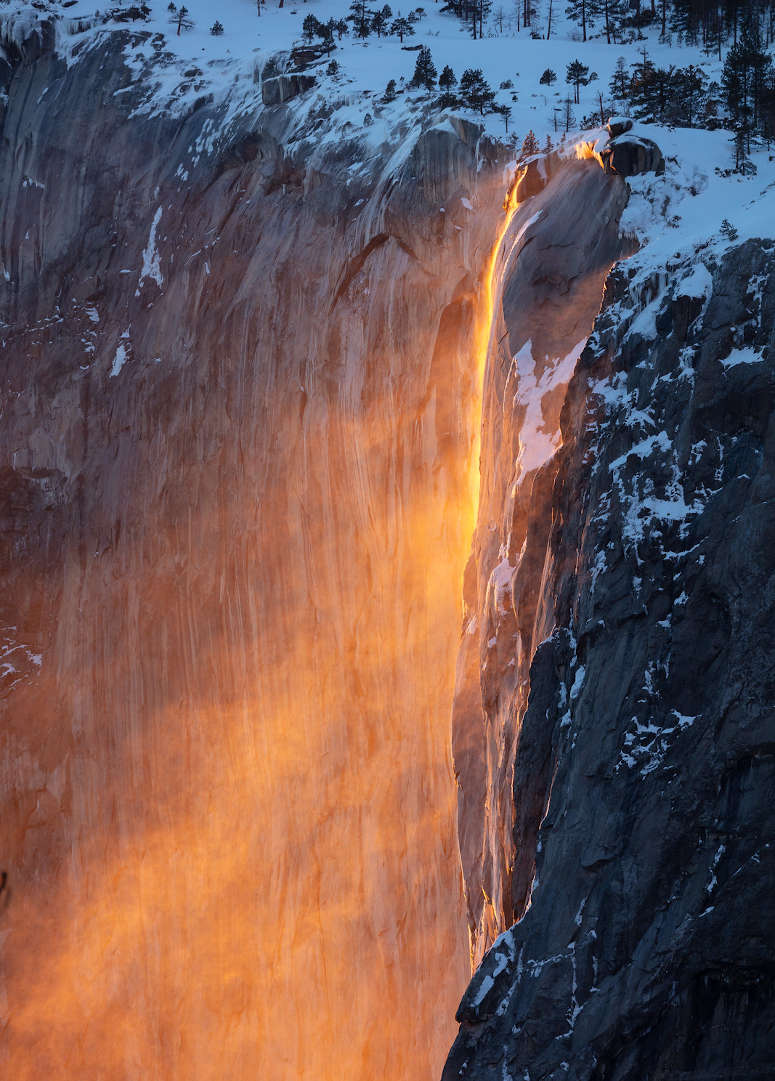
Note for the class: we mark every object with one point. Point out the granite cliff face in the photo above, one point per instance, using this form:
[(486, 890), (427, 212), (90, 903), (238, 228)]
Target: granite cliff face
[(235, 466), (238, 490), (644, 769)]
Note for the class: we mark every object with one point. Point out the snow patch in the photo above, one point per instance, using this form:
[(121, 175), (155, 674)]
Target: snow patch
[(151, 266), (746, 355), (121, 355), (537, 441)]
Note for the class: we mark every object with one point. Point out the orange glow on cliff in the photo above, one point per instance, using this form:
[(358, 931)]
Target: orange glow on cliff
[(585, 151), (228, 814), (228, 800), (265, 880)]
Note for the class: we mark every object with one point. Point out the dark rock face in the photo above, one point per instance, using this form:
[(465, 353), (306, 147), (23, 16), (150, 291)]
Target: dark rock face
[(617, 125), (647, 752), (535, 176), (629, 155), (281, 88)]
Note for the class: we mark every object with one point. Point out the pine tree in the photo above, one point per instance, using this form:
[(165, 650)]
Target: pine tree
[(568, 117), (691, 87), (327, 35), (577, 74), (746, 72), (310, 27), (390, 92), (424, 70), (581, 11), (619, 85), (181, 19), (613, 12), (447, 83), (711, 106), (548, 78), (505, 112), (473, 13), (641, 88), (475, 91), (530, 145), (728, 230), (216, 29), (447, 78), (402, 28), (480, 10), (739, 141), (360, 18), (663, 30), (662, 88)]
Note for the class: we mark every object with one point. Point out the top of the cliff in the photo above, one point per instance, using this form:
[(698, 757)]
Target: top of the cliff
[(361, 63), (532, 77)]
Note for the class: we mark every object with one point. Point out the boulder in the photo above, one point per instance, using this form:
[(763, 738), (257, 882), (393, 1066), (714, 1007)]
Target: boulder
[(629, 155), (303, 55), (618, 125)]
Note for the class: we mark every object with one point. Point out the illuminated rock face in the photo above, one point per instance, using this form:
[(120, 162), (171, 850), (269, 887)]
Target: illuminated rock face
[(236, 509)]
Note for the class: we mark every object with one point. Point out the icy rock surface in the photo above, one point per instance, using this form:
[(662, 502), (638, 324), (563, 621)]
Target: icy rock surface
[(646, 752)]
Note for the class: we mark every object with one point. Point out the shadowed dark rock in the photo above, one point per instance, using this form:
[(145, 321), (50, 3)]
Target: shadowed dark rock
[(618, 125), (535, 176), (629, 155), (647, 752), (281, 88)]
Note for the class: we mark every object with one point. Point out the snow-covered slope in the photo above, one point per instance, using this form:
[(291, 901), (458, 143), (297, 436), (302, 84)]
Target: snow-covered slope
[(177, 70)]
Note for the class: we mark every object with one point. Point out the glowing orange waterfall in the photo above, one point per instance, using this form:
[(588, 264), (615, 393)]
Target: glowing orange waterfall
[(529, 345), (484, 328), (468, 749)]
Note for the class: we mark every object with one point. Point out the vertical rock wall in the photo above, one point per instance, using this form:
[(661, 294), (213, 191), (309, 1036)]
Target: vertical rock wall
[(235, 508)]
